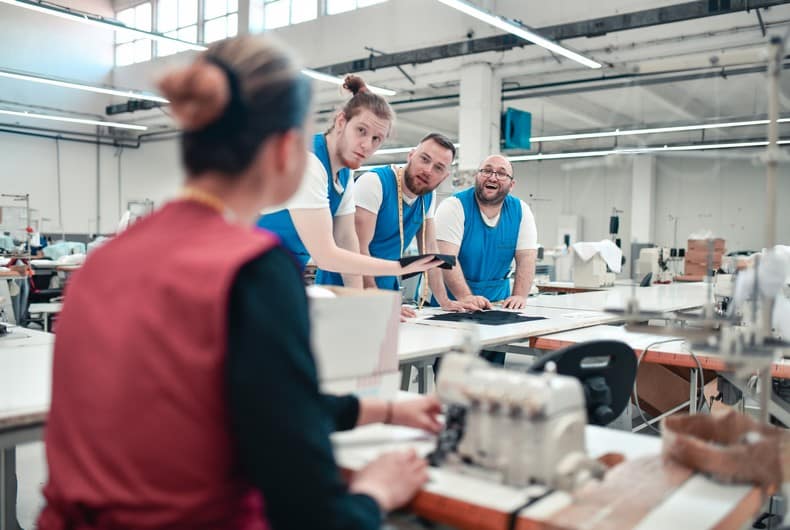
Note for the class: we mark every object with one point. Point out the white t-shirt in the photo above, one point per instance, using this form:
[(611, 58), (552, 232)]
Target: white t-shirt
[(450, 224), (368, 194), (313, 192)]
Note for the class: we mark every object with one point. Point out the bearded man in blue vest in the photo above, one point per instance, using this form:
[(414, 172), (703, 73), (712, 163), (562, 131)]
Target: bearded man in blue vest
[(396, 204), (487, 228)]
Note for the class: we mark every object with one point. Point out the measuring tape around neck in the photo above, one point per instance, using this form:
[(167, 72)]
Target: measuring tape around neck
[(399, 181)]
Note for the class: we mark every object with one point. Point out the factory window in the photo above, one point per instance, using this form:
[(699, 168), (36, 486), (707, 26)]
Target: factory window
[(221, 19), (128, 48), (177, 19), (279, 13), (334, 7)]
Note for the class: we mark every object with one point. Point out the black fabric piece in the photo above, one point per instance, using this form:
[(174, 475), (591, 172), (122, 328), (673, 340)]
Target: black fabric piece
[(279, 419), (489, 318), (448, 262)]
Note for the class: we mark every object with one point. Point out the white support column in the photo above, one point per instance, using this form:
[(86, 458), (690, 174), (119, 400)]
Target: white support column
[(643, 200), (480, 113)]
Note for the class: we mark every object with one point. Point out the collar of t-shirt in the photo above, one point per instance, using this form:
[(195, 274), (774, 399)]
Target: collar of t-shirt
[(338, 186), (490, 221)]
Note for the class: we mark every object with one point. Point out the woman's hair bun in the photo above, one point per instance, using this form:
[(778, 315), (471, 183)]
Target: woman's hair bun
[(355, 84), (198, 94)]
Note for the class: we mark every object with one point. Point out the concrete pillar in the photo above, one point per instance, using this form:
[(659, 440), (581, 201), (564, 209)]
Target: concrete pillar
[(643, 199), (480, 113)]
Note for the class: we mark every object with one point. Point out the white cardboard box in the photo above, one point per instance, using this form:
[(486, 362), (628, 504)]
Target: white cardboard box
[(354, 337)]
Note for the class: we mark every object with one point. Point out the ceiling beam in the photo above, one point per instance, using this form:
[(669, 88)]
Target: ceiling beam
[(585, 28)]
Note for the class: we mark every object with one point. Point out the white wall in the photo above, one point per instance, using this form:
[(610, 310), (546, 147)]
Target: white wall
[(725, 196), (722, 195), (53, 47), (589, 189)]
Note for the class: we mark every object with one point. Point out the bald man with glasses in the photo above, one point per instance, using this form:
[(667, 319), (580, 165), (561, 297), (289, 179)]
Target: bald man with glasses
[(487, 228)]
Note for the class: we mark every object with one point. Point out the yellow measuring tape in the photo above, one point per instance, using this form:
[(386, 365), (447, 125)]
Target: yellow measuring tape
[(424, 284)]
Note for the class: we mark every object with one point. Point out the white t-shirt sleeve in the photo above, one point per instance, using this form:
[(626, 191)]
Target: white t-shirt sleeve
[(347, 205), (431, 213), (313, 192), (527, 231), (450, 221), (368, 193)]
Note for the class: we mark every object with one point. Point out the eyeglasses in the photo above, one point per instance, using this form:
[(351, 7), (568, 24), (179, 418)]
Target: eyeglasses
[(501, 175)]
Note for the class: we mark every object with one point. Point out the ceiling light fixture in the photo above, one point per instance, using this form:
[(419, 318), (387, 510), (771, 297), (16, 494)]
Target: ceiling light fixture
[(132, 94), (639, 151), (74, 120), (519, 30), (320, 76), (652, 130), (398, 150)]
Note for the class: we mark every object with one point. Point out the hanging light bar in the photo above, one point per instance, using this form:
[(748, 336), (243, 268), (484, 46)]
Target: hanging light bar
[(74, 120), (639, 151), (519, 30), (320, 76), (653, 130), (132, 94)]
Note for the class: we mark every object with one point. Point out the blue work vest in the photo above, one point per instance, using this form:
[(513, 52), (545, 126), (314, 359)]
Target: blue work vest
[(281, 223), (486, 252), (386, 237)]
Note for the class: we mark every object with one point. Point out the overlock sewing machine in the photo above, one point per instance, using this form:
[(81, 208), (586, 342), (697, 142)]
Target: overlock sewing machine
[(512, 428)]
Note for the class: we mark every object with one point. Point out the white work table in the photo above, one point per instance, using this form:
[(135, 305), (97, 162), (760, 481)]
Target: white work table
[(25, 390), (421, 339), (698, 503), (656, 298)]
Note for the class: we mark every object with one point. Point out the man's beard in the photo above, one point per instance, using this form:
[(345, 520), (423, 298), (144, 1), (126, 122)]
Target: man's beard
[(414, 184), (497, 199)]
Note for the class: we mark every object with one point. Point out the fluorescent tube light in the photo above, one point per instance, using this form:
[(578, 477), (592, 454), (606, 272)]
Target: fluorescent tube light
[(653, 130), (88, 88), (398, 150), (320, 76), (640, 150), (98, 21), (519, 30), (74, 120)]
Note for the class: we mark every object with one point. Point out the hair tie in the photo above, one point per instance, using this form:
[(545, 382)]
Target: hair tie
[(234, 116)]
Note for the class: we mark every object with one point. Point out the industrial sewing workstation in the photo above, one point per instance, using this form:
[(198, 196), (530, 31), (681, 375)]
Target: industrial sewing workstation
[(606, 186)]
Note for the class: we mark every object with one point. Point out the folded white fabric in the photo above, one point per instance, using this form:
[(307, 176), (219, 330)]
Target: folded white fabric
[(610, 253)]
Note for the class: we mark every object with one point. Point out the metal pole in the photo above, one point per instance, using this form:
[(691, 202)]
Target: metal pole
[(774, 72)]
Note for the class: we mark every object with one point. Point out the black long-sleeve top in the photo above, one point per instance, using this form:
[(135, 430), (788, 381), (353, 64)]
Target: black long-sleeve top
[(280, 419)]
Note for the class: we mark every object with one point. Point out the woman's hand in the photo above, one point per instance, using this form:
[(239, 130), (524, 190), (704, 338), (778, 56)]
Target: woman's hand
[(421, 413), (420, 265)]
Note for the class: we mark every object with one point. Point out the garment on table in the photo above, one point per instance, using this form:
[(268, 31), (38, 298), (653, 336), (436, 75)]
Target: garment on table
[(491, 317), (486, 252), (318, 181)]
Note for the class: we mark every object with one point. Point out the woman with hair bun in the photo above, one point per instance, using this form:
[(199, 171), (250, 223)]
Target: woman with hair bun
[(318, 221), (185, 397)]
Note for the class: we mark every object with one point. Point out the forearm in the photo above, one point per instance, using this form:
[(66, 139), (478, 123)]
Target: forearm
[(339, 260), (373, 410), (436, 282), (347, 240), (525, 273), (368, 282), (455, 282)]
